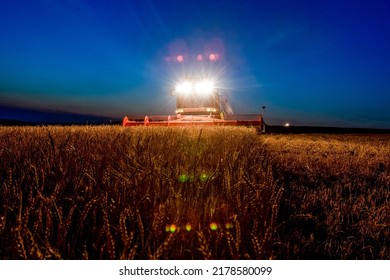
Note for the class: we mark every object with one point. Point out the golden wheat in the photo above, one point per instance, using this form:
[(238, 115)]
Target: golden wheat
[(200, 193)]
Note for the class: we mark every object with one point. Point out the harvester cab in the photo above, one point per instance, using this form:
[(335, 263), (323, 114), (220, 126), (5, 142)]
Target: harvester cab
[(197, 97)]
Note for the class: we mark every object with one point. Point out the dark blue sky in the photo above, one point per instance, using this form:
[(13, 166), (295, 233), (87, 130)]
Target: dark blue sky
[(310, 62)]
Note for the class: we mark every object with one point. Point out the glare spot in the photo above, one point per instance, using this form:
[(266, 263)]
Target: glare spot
[(183, 178), (172, 228), (213, 226), (188, 227), (199, 57), (287, 124), (229, 225), (203, 177), (180, 58)]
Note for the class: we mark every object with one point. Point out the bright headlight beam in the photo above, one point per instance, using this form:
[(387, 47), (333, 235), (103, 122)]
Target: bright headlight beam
[(200, 87), (204, 87), (185, 87)]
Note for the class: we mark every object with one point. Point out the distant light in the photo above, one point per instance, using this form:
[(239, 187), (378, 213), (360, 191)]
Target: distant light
[(180, 58), (287, 124), (199, 57)]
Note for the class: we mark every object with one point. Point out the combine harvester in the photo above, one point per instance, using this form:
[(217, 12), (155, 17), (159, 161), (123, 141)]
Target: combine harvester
[(198, 102)]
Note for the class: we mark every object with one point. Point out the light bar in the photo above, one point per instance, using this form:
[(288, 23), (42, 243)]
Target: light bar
[(201, 87), (185, 87), (204, 87)]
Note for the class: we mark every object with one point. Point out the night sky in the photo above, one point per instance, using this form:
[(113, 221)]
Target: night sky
[(311, 62)]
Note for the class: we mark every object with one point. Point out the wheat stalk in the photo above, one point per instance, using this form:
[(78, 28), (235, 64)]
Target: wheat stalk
[(163, 248), (203, 246)]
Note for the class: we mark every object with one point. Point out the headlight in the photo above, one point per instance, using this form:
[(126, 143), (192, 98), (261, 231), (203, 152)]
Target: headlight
[(185, 87), (200, 87), (204, 87)]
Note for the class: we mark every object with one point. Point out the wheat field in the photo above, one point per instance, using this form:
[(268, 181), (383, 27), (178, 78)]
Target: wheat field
[(108, 192)]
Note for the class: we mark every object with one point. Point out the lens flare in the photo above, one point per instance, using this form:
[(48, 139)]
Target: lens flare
[(213, 226), (183, 178), (203, 177), (172, 228), (228, 225)]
